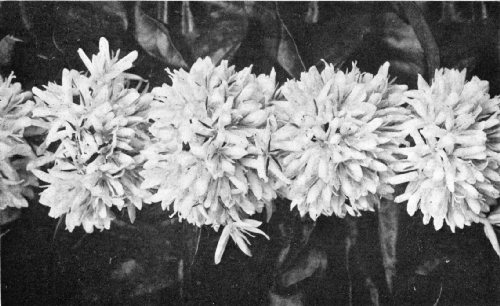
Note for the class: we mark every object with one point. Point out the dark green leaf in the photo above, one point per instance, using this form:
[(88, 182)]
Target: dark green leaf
[(113, 10), (218, 34), (278, 42), (417, 20), (388, 226), (336, 40), (6, 49), (312, 261), (288, 54), (155, 39)]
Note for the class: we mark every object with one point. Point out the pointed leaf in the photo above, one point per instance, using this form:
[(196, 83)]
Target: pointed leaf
[(155, 39), (288, 54)]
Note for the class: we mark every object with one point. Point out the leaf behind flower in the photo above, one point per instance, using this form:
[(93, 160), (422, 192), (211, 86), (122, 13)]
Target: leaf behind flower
[(155, 39)]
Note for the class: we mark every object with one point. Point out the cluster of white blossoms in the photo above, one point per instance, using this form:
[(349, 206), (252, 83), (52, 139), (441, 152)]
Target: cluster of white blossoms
[(452, 165), (217, 145), (96, 126), (210, 156), (336, 137), (15, 152)]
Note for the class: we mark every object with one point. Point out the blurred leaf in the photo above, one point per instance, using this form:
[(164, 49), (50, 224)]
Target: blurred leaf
[(295, 234), (204, 29), (403, 48), (80, 23), (7, 49), (312, 261), (430, 266), (372, 288), (465, 44), (218, 33), (359, 263), (287, 300), (155, 39), (191, 236), (388, 226), (312, 15), (350, 241), (128, 269), (449, 13), (417, 20), (162, 11), (336, 40), (277, 39), (25, 17), (113, 10), (288, 54), (187, 24)]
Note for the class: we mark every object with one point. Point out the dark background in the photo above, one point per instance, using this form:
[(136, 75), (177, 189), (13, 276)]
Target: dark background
[(157, 261)]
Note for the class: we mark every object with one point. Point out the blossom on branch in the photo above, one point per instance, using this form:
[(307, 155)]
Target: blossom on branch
[(15, 109), (336, 137), (96, 127), (452, 165), (209, 160)]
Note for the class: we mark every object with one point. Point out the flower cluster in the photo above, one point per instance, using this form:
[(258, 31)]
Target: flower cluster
[(96, 126), (452, 165), (15, 109), (217, 145), (210, 153), (336, 137)]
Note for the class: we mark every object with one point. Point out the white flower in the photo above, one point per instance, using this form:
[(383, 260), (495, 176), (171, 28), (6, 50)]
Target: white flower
[(452, 166), (15, 108), (105, 67), (97, 126), (336, 137), (70, 193), (237, 230), (210, 157)]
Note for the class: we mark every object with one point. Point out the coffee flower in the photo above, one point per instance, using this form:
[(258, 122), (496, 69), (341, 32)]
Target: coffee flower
[(15, 109), (104, 67), (96, 128), (336, 135), (452, 166), (209, 161)]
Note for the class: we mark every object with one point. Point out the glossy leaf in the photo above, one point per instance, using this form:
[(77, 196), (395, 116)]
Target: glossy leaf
[(424, 34), (219, 34), (155, 39), (288, 54), (278, 42)]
